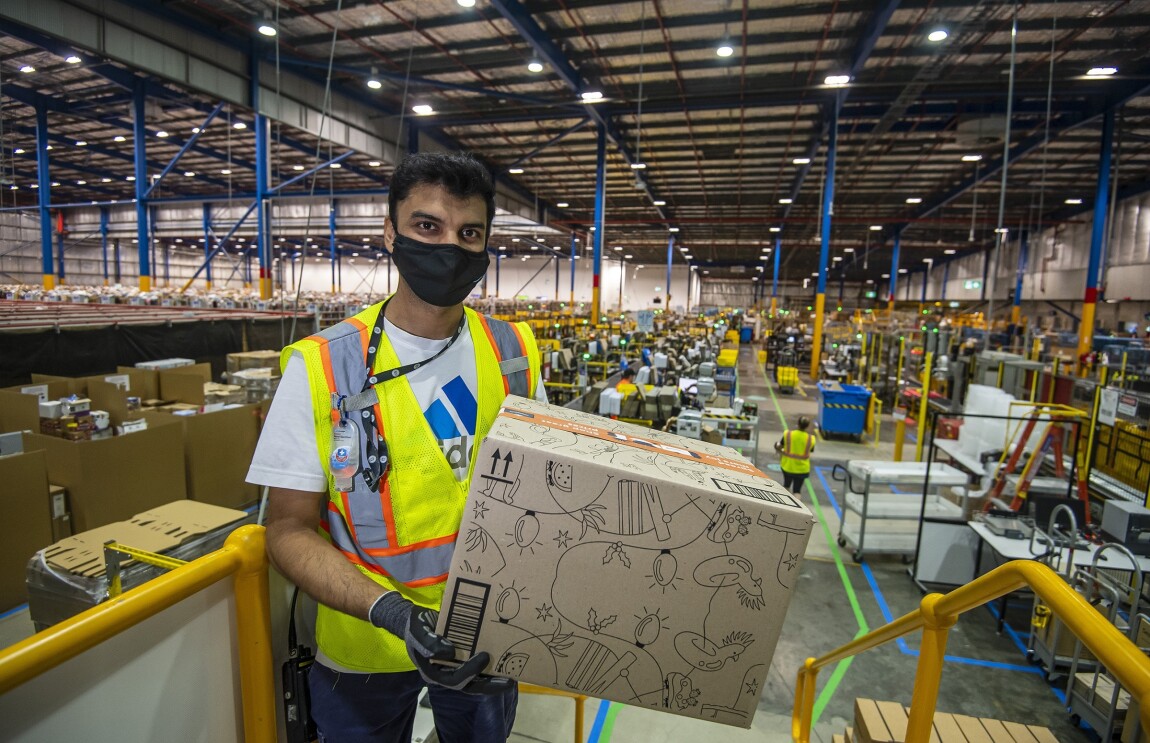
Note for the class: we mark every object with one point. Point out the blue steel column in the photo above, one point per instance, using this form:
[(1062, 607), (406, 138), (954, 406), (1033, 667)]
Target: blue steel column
[(44, 194), (600, 195), (574, 248), (152, 220), (331, 237), (1097, 235), (670, 255), (945, 279), (263, 136), (825, 249), (104, 241), (208, 245), (775, 277), (894, 271), (1023, 259), (140, 156), (60, 246)]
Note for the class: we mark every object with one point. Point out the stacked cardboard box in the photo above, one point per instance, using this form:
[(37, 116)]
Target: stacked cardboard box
[(70, 576), (253, 360), (642, 567), (885, 722), (24, 497)]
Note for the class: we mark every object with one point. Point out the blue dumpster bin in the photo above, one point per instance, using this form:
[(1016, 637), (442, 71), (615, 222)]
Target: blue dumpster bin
[(745, 335), (843, 408)]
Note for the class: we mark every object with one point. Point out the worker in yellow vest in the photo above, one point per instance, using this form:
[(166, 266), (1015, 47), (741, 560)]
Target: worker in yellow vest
[(367, 450), (795, 448)]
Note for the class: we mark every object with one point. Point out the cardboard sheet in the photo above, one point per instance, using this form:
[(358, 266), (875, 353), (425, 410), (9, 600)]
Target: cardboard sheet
[(623, 563)]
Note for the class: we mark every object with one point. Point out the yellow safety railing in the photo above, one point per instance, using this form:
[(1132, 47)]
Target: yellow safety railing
[(580, 701), (938, 613), (243, 557)]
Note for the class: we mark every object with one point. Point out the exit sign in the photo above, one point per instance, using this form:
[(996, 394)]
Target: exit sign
[(972, 284)]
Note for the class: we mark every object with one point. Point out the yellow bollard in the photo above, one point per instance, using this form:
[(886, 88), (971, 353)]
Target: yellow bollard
[(922, 406), (899, 435)]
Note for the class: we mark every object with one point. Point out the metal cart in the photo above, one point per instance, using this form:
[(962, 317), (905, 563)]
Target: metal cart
[(1095, 697), (889, 504), (1050, 644)]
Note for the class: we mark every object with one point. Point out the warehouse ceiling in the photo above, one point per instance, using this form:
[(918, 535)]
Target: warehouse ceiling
[(724, 152)]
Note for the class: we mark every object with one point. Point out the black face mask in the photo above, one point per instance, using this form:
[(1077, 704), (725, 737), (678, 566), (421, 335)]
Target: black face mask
[(439, 274)]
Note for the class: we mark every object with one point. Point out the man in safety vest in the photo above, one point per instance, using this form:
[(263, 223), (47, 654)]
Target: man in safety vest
[(367, 449), (795, 448)]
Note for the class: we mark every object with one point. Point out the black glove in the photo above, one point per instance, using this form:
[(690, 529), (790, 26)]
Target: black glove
[(416, 625)]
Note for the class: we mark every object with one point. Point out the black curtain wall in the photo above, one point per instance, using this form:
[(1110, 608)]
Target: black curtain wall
[(89, 351)]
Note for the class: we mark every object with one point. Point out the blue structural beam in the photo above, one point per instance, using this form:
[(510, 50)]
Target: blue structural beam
[(308, 173), (44, 197), (670, 256), (186, 146), (825, 247), (894, 269), (140, 153), (550, 143), (331, 213), (945, 279), (207, 244), (1023, 259), (872, 32), (775, 275), (543, 44), (574, 248), (1097, 235), (600, 199), (104, 241)]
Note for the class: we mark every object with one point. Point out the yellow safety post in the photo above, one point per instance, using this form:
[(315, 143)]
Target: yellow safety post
[(1001, 368), (580, 699), (1053, 378), (899, 434), (1034, 375), (922, 406), (817, 339), (877, 421), (1122, 372), (1035, 353)]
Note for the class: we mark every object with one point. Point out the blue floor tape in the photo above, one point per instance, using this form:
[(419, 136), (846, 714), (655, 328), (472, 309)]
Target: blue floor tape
[(10, 612), (600, 718)]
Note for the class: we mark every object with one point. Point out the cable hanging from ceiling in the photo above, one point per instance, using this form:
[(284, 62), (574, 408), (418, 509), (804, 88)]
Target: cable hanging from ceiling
[(1000, 230)]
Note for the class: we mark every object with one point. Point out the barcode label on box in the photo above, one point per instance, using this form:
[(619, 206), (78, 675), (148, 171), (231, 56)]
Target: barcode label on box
[(468, 603), (741, 489)]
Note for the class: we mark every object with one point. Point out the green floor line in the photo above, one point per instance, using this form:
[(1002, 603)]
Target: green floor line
[(841, 667), (609, 723)]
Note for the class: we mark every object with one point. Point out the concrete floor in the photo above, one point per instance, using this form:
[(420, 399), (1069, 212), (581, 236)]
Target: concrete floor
[(986, 675)]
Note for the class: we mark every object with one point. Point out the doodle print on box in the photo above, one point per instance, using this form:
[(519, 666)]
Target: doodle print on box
[(623, 563)]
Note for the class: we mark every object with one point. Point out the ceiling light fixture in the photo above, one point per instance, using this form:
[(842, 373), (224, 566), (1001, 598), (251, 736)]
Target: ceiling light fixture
[(801, 161), (239, 125), (672, 229), (297, 167), (1074, 202), (775, 229), (837, 81), (466, 3), (590, 96), (374, 163), (336, 166), (535, 66), (73, 59), (162, 134), (267, 29), (81, 183), (725, 50), (119, 138), (949, 251), (659, 202), (786, 201), (422, 109), (562, 205), (226, 171), (628, 257), (26, 69), (81, 143), (902, 270), (914, 200), (1101, 71), (374, 84), (638, 166), (18, 151), (875, 227), (971, 158), (130, 178), (617, 247), (938, 35), (515, 171)]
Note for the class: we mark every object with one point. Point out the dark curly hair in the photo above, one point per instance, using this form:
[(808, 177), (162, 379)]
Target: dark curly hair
[(459, 172)]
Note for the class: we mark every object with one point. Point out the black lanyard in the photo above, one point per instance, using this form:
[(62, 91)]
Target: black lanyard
[(399, 371)]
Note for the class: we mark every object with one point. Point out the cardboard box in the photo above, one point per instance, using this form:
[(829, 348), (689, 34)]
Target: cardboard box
[(253, 360), (185, 384), (70, 575), (623, 563), (24, 493), (218, 448), (111, 479), (870, 727), (886, 722)]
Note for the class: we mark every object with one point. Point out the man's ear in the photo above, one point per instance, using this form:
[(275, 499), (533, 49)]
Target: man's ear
[(388, 234)]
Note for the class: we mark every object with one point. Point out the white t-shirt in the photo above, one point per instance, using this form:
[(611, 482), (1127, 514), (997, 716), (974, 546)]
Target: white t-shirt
[(286, 455)]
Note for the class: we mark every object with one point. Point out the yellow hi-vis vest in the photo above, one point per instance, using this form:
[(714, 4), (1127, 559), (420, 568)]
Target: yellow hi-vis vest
[(796, 455), (403, 536)]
